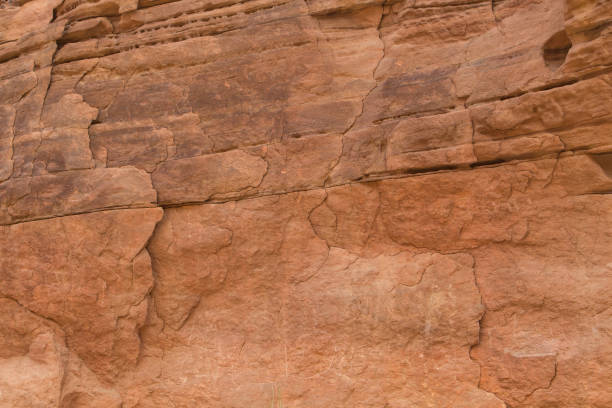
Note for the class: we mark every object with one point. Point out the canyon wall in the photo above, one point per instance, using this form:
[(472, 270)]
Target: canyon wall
[(306, 203)]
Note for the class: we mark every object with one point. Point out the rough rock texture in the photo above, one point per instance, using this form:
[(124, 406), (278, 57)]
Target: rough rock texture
[(306, 203)]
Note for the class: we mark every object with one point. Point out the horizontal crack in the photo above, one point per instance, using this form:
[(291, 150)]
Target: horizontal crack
[(97, 210), (369, 178)]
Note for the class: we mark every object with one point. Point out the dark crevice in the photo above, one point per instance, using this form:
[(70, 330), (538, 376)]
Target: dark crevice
[(547, 87), (406, 172), (486, 163)]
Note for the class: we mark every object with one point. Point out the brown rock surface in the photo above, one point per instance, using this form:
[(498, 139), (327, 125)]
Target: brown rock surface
[(320, 203)]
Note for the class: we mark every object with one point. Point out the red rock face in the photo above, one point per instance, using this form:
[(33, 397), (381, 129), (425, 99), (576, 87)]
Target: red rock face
[(320, 203)]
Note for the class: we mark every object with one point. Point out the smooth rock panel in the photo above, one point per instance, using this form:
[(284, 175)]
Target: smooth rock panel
[(91, 275), (289, 319)]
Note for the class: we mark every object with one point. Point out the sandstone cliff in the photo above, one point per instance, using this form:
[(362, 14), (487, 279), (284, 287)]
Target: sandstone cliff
[(306, 203)]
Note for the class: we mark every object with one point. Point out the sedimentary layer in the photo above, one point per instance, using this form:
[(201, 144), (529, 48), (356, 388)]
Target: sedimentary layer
[(320, 203)]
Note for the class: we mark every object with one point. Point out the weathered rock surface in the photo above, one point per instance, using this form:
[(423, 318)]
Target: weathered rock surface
[(320, 203)]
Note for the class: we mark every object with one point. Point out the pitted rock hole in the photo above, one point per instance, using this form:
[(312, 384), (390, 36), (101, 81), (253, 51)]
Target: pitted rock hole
[(555, 50), (604, 161)]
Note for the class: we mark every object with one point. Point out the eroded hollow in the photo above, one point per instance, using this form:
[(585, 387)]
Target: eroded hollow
[(605, 162), (555, 50)]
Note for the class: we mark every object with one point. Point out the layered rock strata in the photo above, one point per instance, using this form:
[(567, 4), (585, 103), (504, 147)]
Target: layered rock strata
[(320, 203)]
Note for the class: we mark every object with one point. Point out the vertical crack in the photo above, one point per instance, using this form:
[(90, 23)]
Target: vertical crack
[(479, 340), (378, 29), (495, 18), (363, 101)]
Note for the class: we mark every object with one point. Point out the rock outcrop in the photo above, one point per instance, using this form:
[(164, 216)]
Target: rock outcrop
[(306, 203)]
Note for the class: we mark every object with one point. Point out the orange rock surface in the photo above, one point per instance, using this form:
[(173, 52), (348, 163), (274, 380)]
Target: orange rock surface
[(306, 203)]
